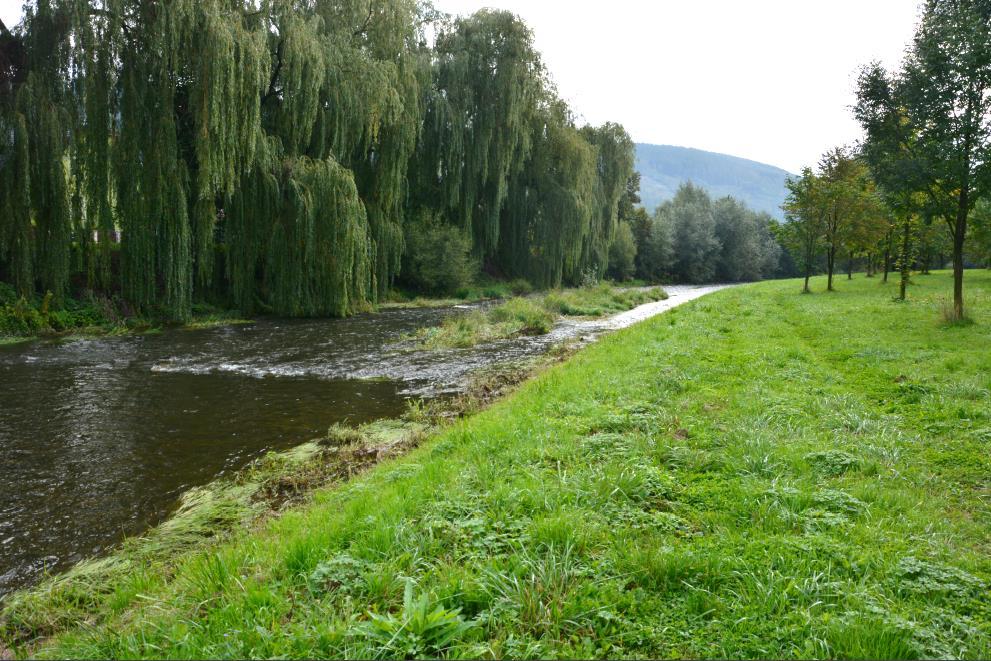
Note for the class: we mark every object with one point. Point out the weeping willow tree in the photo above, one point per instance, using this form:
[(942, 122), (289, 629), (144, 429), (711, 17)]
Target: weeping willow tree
[(487, 80), (614, 166), (267, 153), (552, 203)]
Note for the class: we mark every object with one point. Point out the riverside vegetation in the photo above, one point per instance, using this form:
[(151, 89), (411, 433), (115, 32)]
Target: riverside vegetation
[(533, 315), (305, 159), (755, 474)]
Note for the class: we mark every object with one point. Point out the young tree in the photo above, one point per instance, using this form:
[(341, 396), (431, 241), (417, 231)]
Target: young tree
[(847, 200), (931, 122), (804, 229)]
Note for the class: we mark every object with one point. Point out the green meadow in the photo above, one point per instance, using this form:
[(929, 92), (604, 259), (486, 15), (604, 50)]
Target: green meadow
[(758, 473)]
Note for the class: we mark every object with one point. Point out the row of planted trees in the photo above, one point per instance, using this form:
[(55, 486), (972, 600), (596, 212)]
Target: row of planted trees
[(281, 154), (919, 182)]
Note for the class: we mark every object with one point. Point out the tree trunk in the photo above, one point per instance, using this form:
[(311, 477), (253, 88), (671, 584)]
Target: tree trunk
[(959, 235), (905, 259), (849, 268), (830, 265), (887, 259)]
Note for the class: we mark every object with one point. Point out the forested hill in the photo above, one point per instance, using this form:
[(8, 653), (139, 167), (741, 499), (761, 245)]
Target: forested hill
[(663, 167)]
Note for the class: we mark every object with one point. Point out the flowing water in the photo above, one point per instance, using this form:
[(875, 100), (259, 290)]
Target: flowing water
[(100, 437)]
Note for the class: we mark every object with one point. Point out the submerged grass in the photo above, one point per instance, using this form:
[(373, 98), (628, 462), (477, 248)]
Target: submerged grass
[(532, 315), (755, 474)]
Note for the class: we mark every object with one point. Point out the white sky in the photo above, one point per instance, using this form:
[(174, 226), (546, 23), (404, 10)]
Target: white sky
[(770, 80)]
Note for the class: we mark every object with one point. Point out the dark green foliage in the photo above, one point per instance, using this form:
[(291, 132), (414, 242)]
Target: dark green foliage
[(692, 225), (293, 142), (438, 257), (980, 234), (622, 253), (749, 252), (693, 239)]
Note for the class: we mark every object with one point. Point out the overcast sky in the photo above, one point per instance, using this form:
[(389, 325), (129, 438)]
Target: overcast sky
[(770, 80)]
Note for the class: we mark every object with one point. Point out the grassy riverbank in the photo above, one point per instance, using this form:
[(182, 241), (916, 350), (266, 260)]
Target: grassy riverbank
[(756, 474), (22, 320), (533, 315)]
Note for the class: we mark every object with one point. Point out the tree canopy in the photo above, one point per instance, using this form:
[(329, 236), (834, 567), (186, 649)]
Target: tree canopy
[(270, 154)]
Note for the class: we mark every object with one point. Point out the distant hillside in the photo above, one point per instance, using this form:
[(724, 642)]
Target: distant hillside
[(663, 167)]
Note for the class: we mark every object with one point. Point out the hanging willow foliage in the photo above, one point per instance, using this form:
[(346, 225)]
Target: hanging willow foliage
[(552, 204), (487, 81), (291, 140), (297, 239)]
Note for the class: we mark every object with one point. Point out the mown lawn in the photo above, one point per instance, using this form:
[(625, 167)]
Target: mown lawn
[(756, 474)]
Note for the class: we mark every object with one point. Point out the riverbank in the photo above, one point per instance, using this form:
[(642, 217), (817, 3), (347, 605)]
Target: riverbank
[(22, 320), (758, 473)]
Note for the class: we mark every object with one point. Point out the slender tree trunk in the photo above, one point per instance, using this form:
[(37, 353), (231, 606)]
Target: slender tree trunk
[(906, 258), (830, 265), (849, 267), (887, 258), (959, 235)]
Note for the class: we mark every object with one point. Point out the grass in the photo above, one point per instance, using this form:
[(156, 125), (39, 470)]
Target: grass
[(532, 315), (22, 320), (484, 288), (601, 300), (515, 317), (755, 474)]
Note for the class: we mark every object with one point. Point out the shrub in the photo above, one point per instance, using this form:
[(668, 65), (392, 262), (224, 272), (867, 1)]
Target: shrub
[(8, 294), (21, 319), (531, 317), (520, 287), (438, 258)]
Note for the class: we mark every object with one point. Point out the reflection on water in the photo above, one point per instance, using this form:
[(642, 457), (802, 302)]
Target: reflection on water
[(100, 437)]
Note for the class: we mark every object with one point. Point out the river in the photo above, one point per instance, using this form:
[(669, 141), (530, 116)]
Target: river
[(99, 437)]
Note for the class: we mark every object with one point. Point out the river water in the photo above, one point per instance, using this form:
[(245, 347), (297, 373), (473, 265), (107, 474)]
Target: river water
[(100, 437)]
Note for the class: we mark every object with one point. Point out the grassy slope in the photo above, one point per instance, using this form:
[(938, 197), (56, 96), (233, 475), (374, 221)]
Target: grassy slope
[(758, 473)]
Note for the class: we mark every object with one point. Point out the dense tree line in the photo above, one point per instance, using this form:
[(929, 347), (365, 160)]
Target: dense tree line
[(288, 155), (694, 239)]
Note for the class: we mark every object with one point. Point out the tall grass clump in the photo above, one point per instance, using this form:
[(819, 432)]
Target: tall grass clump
[(599, 300), (515, 317)]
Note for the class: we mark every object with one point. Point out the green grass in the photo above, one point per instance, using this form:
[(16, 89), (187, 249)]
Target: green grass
[(515, 317), (22, 320), (600, 300), (755, 474), (532, 315)]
